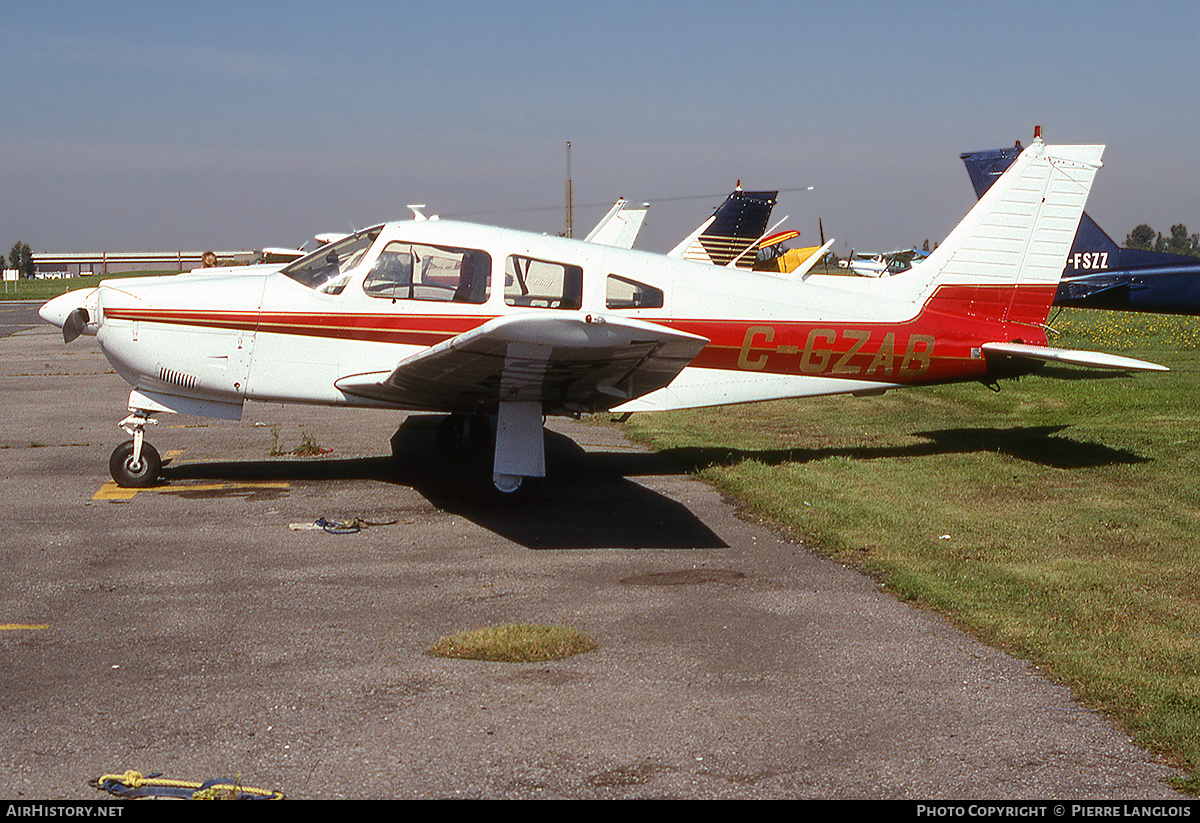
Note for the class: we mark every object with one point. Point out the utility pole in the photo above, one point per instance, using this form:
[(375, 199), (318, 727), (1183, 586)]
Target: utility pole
[(570, 204)]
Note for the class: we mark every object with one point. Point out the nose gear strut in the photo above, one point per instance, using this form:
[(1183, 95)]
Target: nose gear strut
[(135, 463)]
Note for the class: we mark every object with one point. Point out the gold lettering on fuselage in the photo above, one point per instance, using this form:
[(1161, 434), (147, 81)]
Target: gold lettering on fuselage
[(745, 361), (815, 359), (838, 352), (843, 365), (916, 358), (885, 356)]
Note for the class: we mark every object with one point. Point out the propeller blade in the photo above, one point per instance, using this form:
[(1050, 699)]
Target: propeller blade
[(74, 324)]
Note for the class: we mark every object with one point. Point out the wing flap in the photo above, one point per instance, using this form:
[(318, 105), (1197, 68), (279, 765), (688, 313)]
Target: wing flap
[(568, 364), (1090, 359)]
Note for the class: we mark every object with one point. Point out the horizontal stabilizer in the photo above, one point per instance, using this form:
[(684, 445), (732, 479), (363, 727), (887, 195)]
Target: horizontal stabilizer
[(1089, 359)]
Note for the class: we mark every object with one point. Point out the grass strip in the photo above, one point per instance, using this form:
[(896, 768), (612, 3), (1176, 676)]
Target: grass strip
[(514, 643), (1056, 519)]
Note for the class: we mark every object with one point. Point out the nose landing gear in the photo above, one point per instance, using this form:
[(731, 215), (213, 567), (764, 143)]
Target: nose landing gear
[(135, 463)]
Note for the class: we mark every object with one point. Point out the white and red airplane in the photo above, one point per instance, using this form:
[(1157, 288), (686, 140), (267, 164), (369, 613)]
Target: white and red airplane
[(499, 328)]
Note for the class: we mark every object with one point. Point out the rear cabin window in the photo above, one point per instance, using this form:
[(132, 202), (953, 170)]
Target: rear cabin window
[(623, 293), (542, 283), (414, 271)]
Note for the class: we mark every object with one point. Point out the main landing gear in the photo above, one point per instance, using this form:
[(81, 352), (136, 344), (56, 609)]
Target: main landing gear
[(135, 463), (464, 437), (470, 438)]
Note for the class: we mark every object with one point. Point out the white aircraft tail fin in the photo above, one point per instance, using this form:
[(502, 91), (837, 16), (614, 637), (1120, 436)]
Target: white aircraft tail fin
[(619, 227), (811, 260), (1011, 247), (691, 240)]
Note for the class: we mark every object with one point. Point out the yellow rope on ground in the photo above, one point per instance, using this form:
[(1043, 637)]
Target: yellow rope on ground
[(133, 784)]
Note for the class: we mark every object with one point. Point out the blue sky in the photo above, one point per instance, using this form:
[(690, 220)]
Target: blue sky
[(160, 126)]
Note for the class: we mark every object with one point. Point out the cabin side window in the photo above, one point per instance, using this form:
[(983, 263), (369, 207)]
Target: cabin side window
[(623, 293), (415, 271), (542, 283)]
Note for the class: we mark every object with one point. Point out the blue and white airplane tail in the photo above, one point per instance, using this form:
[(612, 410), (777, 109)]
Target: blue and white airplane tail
[(1099, 273), (734, 228)]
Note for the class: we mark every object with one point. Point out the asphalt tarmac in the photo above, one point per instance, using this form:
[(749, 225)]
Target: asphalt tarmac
[(203, 629)]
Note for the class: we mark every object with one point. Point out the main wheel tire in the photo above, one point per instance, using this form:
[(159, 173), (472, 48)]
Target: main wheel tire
[(464, 437), (139, 476), (511, 489)]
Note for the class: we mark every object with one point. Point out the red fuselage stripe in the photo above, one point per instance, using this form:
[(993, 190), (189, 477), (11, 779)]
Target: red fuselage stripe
[(940, 343)]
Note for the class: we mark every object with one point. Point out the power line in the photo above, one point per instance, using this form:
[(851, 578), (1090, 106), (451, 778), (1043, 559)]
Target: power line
[(607, 204)]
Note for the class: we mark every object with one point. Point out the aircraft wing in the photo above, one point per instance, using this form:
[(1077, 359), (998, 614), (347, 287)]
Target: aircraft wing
[(1089, 359), (275, 254), (567, 364)]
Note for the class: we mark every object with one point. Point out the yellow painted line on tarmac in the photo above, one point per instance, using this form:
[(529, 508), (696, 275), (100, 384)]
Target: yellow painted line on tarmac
[(111, 491), (216, 487), (22, 627)]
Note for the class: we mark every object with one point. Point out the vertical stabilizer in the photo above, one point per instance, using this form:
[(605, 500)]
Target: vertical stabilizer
[(985, 167), (1093, 251), (619, 227), (1020, 231), (735, 226)]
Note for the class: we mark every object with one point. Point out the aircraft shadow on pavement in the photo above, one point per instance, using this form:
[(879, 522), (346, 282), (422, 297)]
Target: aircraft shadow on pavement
[(587, 500), (584, 502)]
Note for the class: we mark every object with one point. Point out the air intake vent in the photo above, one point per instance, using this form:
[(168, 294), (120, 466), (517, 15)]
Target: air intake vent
[(175, 378)]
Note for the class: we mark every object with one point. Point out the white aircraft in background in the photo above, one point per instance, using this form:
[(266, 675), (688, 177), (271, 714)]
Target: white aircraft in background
[(488, 324), (877, 265), (620, 227), (283, 255)]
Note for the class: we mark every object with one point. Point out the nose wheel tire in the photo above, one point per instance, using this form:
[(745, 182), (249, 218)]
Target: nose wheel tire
[(137, 475)]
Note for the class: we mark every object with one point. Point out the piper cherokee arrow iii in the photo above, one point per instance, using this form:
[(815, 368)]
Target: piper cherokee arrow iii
[(499, 328)]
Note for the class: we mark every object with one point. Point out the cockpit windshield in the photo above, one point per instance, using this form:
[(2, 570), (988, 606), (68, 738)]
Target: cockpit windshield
[(328, 268)]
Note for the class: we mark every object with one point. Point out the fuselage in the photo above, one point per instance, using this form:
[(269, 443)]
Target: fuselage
[(289, 336), (506, 327)]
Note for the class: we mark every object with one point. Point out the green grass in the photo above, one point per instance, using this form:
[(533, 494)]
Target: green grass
[(47, 289), (514, 643), (1057, 519)]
